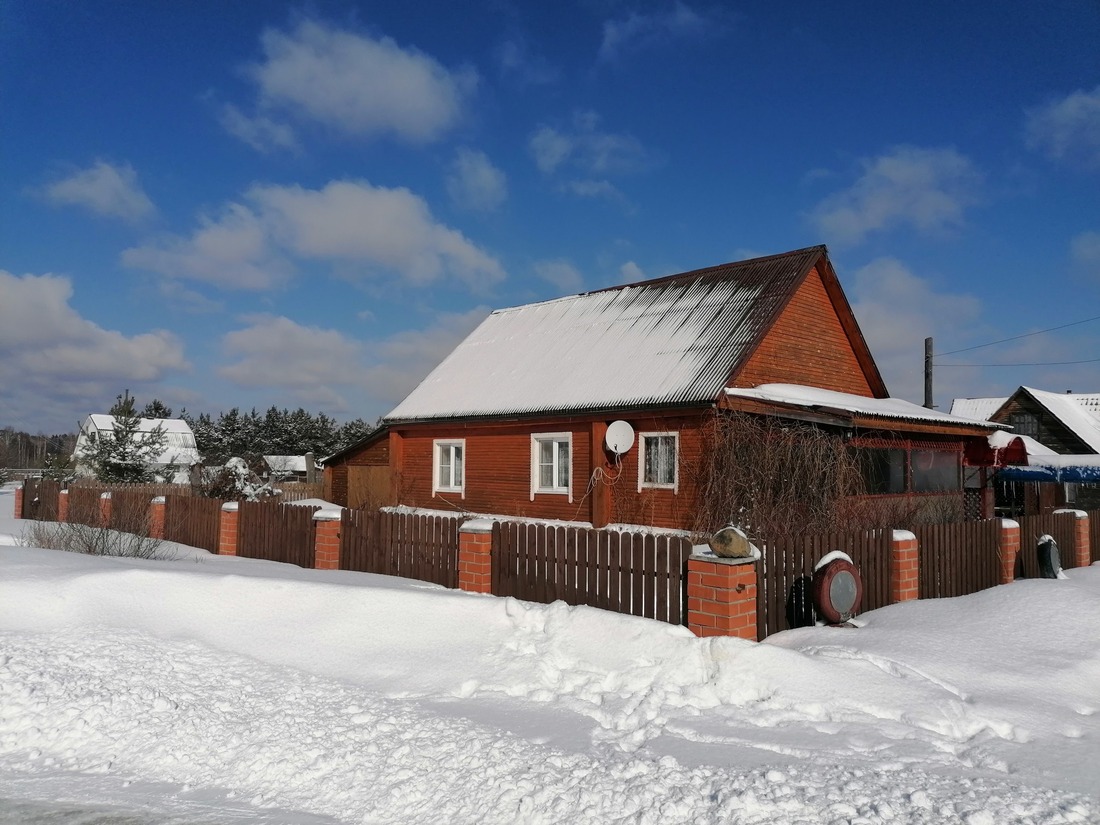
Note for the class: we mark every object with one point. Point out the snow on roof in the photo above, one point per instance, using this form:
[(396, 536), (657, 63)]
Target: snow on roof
[(1079, 412), (286, 463), (671, 340), (1001, 438), (980, 409), (802, 396), (169, 425), (180, 447)]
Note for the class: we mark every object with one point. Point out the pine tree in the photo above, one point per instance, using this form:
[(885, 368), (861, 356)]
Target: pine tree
[(127, 454), (156, 409)]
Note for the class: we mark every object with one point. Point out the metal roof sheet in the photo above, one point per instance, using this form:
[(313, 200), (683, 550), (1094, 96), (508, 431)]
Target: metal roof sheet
[(669, 341)]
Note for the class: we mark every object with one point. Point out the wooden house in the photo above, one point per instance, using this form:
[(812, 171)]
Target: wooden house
[(515, 420)]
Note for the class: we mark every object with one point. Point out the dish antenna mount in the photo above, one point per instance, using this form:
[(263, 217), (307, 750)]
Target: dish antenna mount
[(620, 437)]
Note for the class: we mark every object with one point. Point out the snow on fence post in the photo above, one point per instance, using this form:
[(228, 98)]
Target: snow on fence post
[(1081, 536), (904, 567), (105, 508), (62, 505), (1009, 548), (19, 502), (475, 556), (227, 529), (156, 517), (721, 594), (326, 539)]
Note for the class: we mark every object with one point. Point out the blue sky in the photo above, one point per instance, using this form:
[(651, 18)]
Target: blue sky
[(246, 204)]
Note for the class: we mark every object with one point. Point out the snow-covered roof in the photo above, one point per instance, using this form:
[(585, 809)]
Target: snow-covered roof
[(980, 409), (286, 463), (1079, 412), (672, 340), (894, 408), (180, 447)]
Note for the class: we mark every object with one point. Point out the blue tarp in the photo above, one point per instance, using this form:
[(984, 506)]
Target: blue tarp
[(1073, 474)]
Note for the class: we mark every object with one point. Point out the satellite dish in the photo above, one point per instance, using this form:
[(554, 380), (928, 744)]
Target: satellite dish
[(620, 437)]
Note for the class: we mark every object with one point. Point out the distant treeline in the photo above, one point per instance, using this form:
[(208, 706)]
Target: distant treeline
[(23, 451), (276, 432)]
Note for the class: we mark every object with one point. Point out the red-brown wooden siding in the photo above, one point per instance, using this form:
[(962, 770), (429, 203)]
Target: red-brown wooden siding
[(806, 345), (498, 472)]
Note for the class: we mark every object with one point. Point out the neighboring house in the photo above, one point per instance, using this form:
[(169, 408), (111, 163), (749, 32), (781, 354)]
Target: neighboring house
[(515, 421), (1066, 424), (291, 467), (179, 449)]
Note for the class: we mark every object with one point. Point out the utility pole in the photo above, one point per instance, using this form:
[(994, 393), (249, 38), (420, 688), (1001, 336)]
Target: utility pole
[(928, 373)]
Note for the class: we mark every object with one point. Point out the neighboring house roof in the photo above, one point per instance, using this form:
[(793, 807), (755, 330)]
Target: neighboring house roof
[(286, 463), (1078, 412), (895, 409), (664, 342), (1001, 439), (980, 409), (180, 447)]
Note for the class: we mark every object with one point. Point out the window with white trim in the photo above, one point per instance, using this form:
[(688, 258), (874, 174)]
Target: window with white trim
[(659, 465), (450, 467), (551, 458)]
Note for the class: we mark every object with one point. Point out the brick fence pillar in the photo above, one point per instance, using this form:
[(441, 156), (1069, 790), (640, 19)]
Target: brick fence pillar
[(104, 509), (326, 539), (475, 556), (156, 518), (1083, 556), (721, 596), (1008, 549), (904, 567), (19, 501), (227, 529), (63, 505)]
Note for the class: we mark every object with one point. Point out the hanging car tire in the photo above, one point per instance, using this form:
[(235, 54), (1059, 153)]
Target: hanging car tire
[(837, 591)]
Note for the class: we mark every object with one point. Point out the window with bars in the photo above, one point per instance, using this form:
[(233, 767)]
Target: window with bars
[(658, 466)]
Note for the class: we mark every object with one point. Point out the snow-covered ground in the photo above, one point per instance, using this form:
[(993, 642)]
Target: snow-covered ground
[(220, 690)]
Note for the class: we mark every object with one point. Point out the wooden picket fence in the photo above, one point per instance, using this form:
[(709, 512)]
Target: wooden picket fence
[(1094, 535), (401, 544), (958, 559), (296, 491), (193, 520), (40, 497), (786, 569), (276, 532), (84, 506), (149, 490), (639, 574), (130, 511)]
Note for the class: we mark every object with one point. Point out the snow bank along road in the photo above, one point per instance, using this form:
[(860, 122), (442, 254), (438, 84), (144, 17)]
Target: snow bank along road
[(228, 690)]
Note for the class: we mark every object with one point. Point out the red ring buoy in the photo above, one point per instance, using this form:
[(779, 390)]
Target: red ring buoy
[(837, 590)]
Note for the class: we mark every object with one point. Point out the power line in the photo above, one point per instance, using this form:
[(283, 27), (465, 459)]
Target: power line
[(1016, 338), (1040, 364)]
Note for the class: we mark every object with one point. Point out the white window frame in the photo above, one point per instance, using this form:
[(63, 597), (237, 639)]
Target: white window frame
[(652, 485), (438, 445), (536, 440)]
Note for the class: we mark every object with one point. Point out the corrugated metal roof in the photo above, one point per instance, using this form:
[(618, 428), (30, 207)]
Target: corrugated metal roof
[(669, 341), (980, 409), (1079, 412)]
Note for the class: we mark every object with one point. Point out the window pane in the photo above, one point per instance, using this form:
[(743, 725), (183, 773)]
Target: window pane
[(444, 466), (883, 470), (563, 464), (456, 480), (934, 471)]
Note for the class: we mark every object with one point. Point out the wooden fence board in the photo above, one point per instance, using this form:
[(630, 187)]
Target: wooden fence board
[(1062, 527), (276, 532), (40, 499), (193, 520), (958, 559), (1094, 535), (400, 544)]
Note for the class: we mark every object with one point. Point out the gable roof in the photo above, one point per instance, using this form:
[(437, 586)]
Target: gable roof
[(980, 409), (179, 448), (669, 341), (1079, 412)]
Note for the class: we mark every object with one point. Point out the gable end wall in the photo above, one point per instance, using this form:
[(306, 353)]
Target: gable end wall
[(806, 345)]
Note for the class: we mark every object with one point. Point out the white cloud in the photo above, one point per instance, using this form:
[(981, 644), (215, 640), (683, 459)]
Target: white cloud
[(355, 84), (585, 147), (404, 359), (274, 351), (474, 183), (897, 310), (251, 245), (638, 31), (258, 131), (391, 229), (595, 189), (106, 189), (56, 366), (1085, 253), (631, 272), (561, 273), (517, 62), (232, 251), (925, 188), (1068, 129)]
